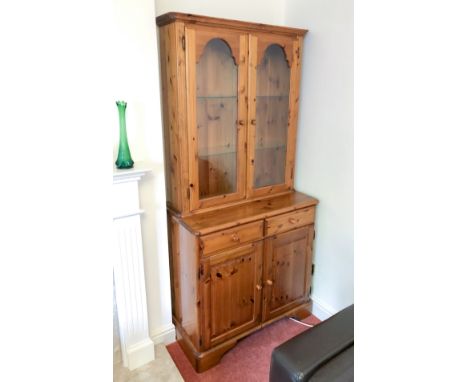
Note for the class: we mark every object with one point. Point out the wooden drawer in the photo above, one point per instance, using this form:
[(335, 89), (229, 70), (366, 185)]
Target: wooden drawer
[(290, 221), (231, 237)]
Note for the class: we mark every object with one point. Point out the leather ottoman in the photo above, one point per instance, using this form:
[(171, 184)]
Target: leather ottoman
[(324, 352)]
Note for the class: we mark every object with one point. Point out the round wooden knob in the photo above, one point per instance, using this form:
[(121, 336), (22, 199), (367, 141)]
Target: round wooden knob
[(234, 237), (259, 287), (269, 282), (293, 221)]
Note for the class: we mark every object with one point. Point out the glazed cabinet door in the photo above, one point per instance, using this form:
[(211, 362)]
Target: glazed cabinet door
[(217, 112), (287, 271), (231, 293), (274, 69)]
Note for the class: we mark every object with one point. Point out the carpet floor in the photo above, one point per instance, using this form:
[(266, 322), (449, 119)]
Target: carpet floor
[(249, 360)]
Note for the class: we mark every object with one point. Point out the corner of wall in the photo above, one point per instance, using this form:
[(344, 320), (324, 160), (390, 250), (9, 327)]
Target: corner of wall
[(321, 309), (164, 334)]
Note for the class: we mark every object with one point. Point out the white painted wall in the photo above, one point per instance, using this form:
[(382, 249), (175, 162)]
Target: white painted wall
[(324, 162), (262, 11), (136, 73)]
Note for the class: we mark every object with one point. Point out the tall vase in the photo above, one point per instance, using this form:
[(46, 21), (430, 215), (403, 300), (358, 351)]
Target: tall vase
[(124, 158)]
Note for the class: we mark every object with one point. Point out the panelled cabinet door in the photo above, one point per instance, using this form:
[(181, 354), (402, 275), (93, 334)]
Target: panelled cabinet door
[(217, 113), (287, 271), (274, 66), (231, 293)]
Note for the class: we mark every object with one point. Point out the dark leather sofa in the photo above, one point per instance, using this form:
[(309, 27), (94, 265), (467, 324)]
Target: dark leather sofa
[(323, 353)]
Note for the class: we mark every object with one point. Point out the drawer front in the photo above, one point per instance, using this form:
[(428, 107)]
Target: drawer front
[(286, 222), (231, 237)]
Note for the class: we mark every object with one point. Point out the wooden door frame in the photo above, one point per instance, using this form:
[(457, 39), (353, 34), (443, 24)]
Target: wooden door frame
[(292, 48), (239, 52)]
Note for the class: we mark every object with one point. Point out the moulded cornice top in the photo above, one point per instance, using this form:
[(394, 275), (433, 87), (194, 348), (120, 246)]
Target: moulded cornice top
[(171, 17)]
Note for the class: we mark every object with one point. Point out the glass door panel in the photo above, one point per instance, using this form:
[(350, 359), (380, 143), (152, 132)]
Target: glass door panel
[(272, 117), (216, 113), (216, 93)]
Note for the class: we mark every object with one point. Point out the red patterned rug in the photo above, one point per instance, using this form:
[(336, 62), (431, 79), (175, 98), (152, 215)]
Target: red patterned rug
[(249, 360)]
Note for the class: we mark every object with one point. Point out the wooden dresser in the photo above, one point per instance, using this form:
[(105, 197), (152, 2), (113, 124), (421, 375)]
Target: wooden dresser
[(240, 236)]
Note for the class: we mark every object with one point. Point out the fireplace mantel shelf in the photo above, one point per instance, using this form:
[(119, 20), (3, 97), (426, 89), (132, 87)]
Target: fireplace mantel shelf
[(131, 174)]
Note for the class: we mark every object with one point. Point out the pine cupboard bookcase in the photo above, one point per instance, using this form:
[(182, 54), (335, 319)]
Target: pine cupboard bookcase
[(240, 237)]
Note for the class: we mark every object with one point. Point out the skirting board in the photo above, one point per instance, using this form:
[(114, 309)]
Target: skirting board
[(164, 334), (140, 354), (322, 310)]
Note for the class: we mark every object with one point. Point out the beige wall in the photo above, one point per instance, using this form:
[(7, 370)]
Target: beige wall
[(136, 73), (265, 11), (324, 162)]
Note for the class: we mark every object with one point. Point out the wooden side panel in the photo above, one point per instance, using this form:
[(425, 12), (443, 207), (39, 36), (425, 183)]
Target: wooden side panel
[(169, 107), (309, 260), (181, 66), (286, 271), (172, 66), (184, 266), (231, 293), (174, 265)]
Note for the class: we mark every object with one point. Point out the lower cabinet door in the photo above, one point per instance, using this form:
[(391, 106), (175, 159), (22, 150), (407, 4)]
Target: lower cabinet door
[(287, 271), (231, 286)]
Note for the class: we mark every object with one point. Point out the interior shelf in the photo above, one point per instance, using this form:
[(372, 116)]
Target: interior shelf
[(205, 153), (274, 147), (273, 96), (217, 97), (235, 96), (215, 151)]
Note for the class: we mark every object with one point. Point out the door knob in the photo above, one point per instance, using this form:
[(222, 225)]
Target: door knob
[(293, 221), (234, 237), (269, 282), (259, 287)]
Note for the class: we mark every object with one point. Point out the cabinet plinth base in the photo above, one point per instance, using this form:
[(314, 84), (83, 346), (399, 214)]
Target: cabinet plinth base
[(202, 361)]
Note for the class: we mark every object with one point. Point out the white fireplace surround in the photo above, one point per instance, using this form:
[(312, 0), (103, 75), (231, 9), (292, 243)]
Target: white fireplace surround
[(136, 344)]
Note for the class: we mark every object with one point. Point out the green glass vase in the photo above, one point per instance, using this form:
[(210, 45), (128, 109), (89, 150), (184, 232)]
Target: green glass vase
[(124, 158)]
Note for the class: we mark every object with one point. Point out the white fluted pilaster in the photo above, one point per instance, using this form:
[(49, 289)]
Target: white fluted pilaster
[(130, 292)]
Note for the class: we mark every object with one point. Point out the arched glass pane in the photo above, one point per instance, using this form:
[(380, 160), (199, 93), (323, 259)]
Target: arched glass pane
[(271, 131), (217, 120)]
